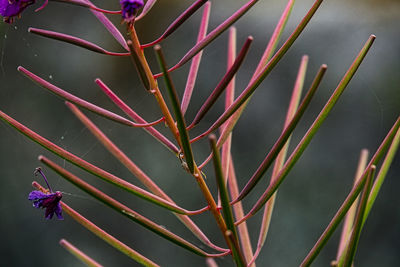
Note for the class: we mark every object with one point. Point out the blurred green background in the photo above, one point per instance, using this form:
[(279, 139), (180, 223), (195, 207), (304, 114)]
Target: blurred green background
[(308, 198)]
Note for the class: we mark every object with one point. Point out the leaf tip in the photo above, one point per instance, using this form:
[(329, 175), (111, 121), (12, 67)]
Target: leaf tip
[(212, 138), (68, 104), (62, 242), (157, 47)]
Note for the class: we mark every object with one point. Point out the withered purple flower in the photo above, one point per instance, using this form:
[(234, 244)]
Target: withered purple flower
[(50, 201), (129, 8), (10, 9)]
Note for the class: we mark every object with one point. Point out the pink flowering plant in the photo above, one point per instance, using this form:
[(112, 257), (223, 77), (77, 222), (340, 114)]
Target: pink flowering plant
[(225, 206)]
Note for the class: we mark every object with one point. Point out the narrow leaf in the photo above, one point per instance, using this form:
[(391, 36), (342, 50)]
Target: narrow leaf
[(109, 26), (223, 83), (239, 259), (351, 197), (102, 234), (124, 210), (226, 157), (128, 163), (214, 34), (273, 42), (380, 178), (227, 161), (238, 209), (177, 22), (226, 207), (273, 153), (245, 95), (314, 127), (147, 7), (230, 124), (132, 114), (210, 262), (180, 121), (280, 160), (349, 219), (108, 177), (87, 5), (80, 102), (113, 149), (377, 184), (141, 175), (355, 236), (74, 40), (229, 97), (139, 66), (129, 187), (101, 174), (80, 255), (194, 66)]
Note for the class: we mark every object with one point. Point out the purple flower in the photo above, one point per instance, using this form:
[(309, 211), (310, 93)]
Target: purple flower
[(13, 8), (129, 8), (49, 201)]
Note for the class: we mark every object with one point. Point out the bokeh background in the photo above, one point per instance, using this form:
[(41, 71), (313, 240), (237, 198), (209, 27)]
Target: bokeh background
[(308, 198)]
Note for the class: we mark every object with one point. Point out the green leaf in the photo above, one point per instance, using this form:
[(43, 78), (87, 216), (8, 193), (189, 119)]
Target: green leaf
[(74, 40), (355, 235), (254, 83), (280, 160), (226, 207), (180, 121), (178, 22), (212, 35), (350, 198), (194, 66), (273, 153), (219, 89), (313, 129)]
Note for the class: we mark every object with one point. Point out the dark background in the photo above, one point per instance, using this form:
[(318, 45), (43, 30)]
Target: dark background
[(307, 199)]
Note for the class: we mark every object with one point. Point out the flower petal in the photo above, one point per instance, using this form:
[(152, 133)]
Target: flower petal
[(13, 8), (58, 211), (36, 194)]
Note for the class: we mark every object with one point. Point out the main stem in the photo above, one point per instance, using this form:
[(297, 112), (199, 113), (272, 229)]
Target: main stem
[(171, 124), (213, 206), (154, 85)]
